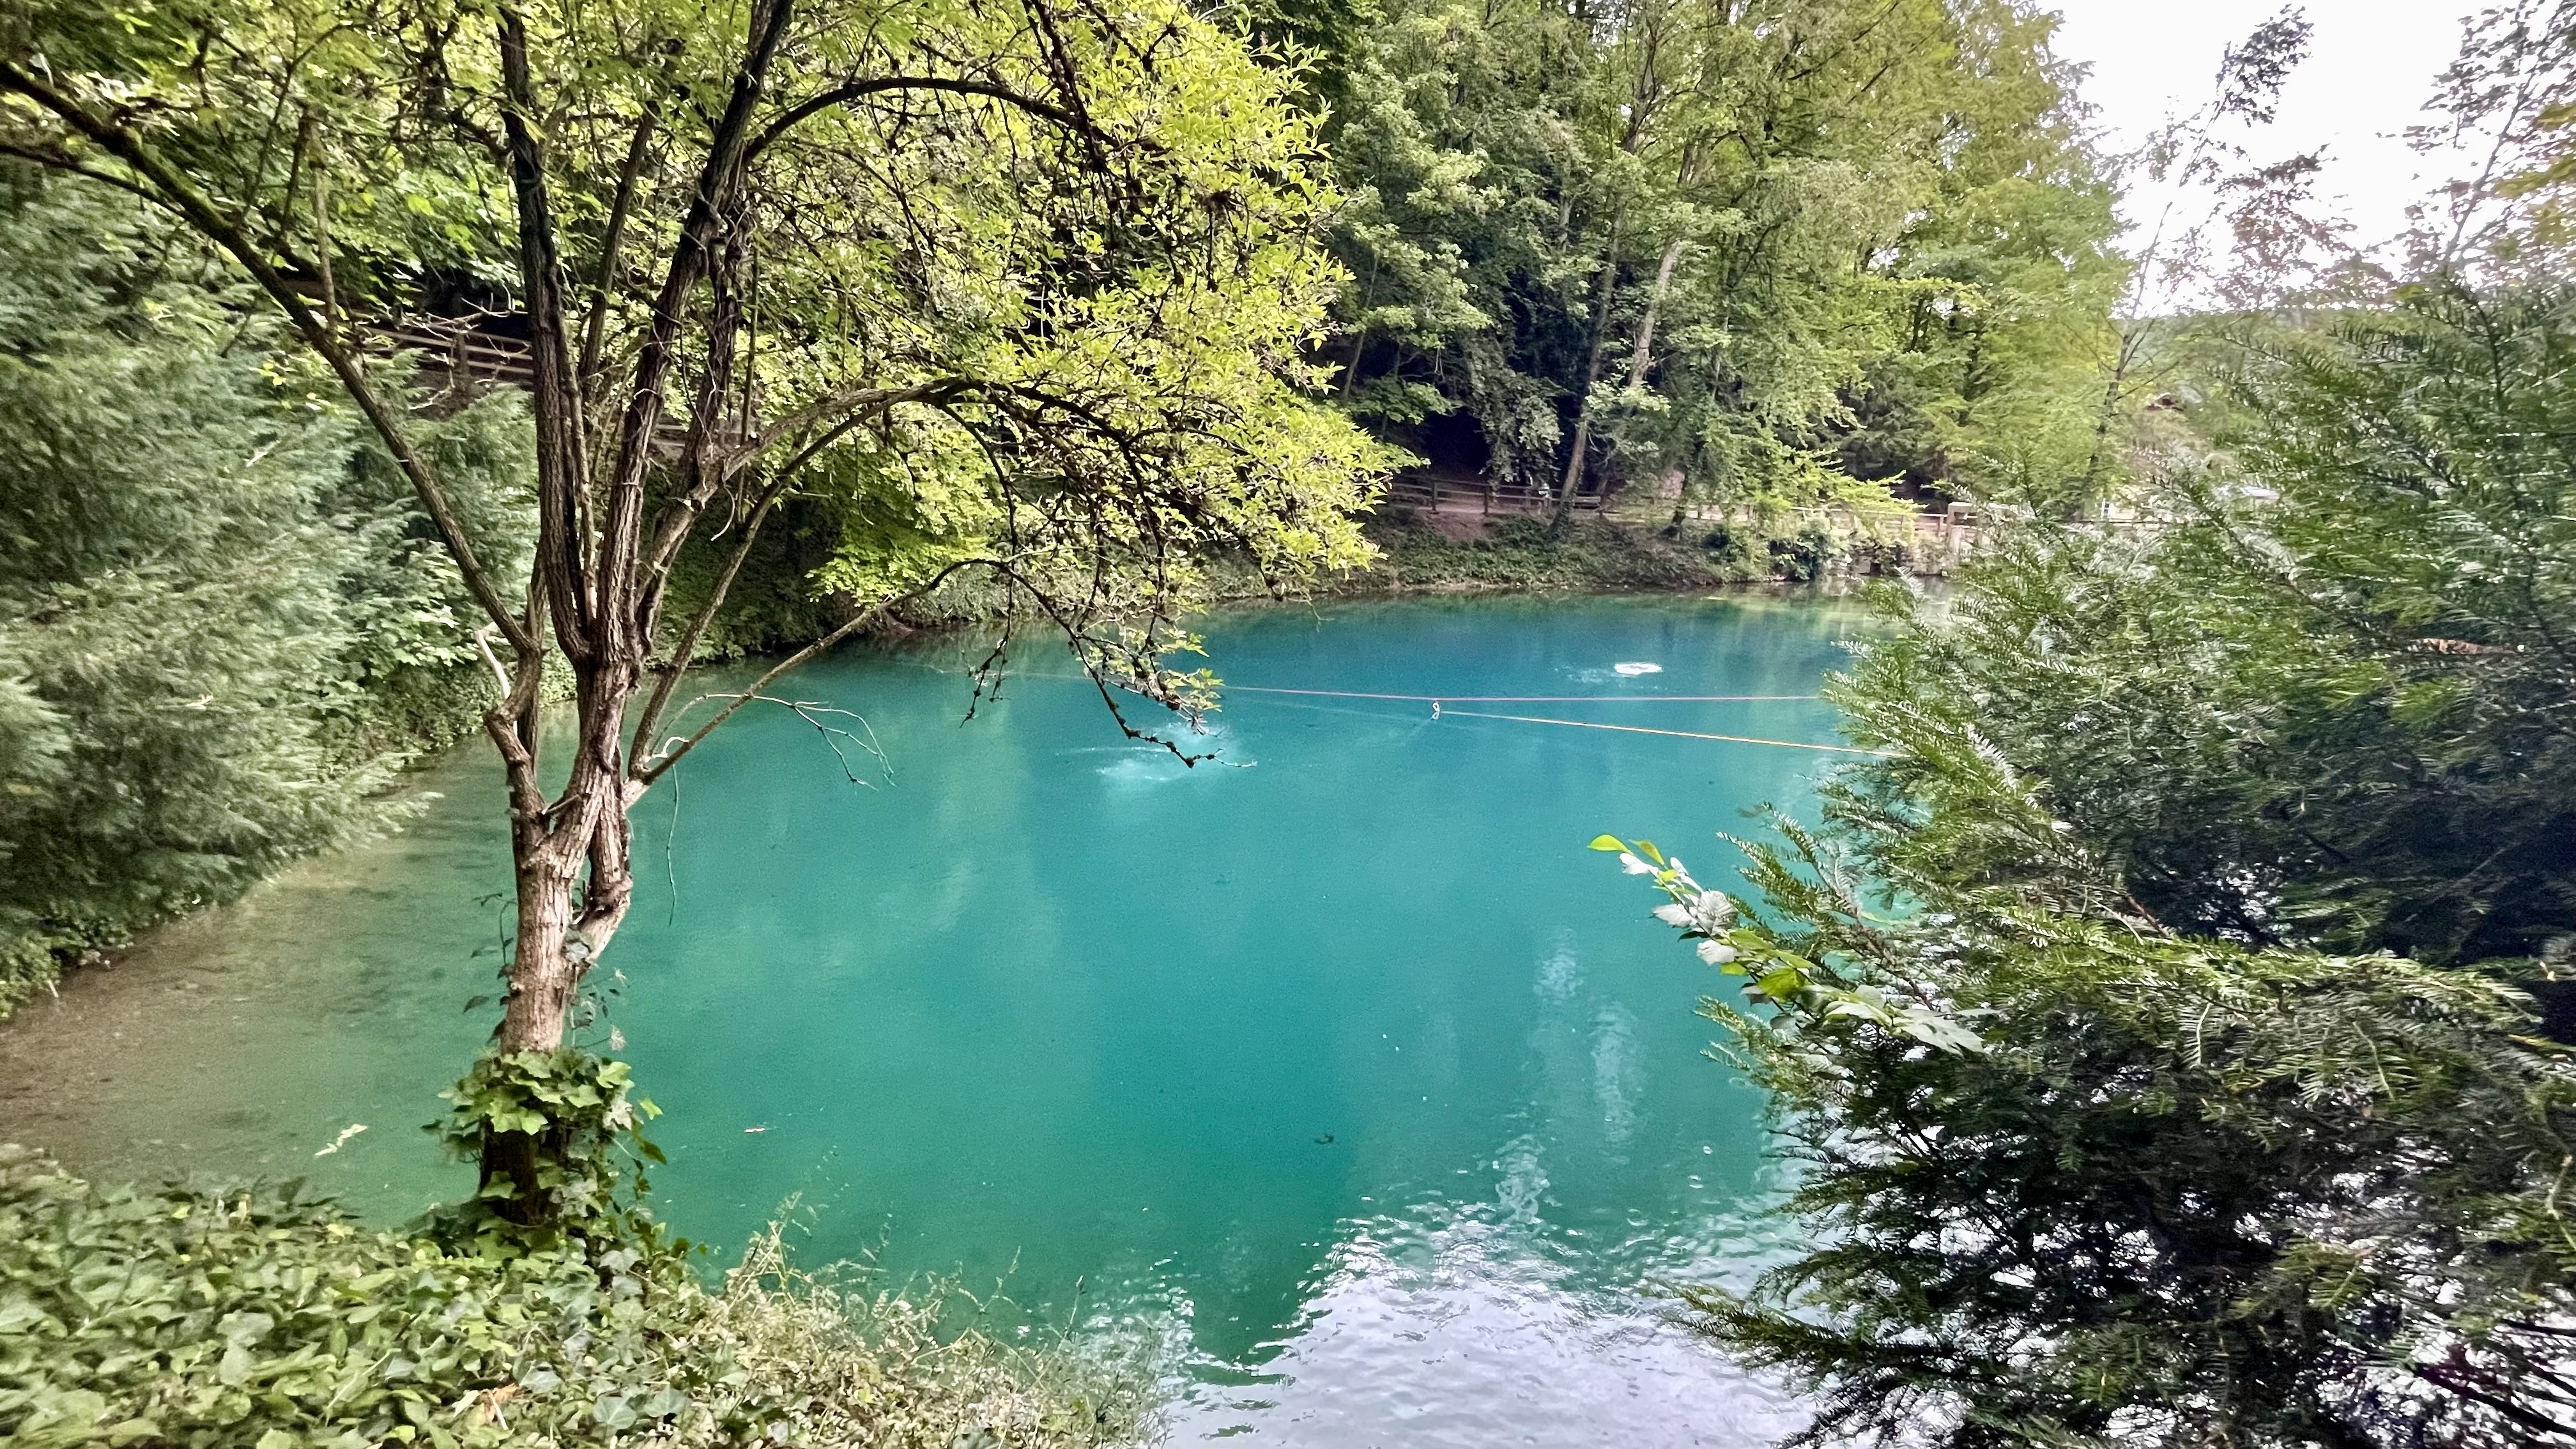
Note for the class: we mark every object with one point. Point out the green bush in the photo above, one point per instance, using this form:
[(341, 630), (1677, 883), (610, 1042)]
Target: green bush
[(2329, 704), (1726, 547), (267, 1320), (1804, 556)]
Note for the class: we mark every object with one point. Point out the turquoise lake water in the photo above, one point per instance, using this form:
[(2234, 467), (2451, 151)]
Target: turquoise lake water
[(1339, 1068)]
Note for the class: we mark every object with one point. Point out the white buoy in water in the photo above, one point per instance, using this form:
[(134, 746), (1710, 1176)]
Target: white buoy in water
[(1638, 668)]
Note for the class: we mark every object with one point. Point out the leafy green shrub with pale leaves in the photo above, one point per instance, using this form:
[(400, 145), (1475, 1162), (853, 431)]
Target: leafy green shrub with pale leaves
[(265, 1319)]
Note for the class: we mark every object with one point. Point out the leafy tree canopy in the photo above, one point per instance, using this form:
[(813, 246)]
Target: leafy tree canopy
[(1760, 248)]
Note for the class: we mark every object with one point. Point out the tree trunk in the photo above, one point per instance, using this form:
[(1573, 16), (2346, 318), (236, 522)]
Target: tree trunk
[(1591, 374), (570, 866), (1638, 359), (543, 972), (1359, 333), (1643, 353), (574, 882)]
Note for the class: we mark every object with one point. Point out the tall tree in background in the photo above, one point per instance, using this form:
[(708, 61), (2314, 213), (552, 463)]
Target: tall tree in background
[(2507, 124), (1749, 248), (1016, 287), (2231, 233)]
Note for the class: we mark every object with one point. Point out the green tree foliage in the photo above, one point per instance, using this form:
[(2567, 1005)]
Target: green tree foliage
[(2333, 701), (1759, 247), (2504, 125), (219, 629), (2080, 1180), (2156, 1022), (997, 287)]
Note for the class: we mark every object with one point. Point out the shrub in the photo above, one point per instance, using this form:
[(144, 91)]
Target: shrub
[(1804, 556), (266, 1319)]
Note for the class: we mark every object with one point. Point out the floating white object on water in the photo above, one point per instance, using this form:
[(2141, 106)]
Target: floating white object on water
[(1637, 668)]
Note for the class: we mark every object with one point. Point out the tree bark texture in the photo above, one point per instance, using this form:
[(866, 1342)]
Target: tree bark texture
[(1602, 292), (1644, 351)]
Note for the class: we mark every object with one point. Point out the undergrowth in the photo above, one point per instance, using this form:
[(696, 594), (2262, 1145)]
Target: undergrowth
[(266, 1319), (1593, 554)]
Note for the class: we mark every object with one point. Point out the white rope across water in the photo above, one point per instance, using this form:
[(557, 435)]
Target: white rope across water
[(1439, 710), (1586, 724), (1232, 688), (1528, 698), (1438, 703)]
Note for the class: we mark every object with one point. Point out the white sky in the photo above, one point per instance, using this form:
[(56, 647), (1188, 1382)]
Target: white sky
[(2370, 67)]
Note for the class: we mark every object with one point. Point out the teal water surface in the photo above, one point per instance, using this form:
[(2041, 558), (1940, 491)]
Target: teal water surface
[(1336, 1066)]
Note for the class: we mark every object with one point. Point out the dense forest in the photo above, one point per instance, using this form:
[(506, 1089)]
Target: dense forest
[(2168, 1019), (1768, 254)]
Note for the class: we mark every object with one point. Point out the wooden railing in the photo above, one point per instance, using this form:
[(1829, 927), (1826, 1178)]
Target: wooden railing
[(1437, 492), (458, 351), (457, 354), (1940, 540)]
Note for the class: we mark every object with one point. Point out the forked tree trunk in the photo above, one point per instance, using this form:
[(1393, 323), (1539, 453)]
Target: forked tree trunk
[(1608, 282), (1638, 358), (573, 884), (1644, 350), (597, 577), (1643, 354)]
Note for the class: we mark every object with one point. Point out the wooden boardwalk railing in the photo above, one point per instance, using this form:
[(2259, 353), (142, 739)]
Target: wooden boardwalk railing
[(1453, 494), (460, 350)]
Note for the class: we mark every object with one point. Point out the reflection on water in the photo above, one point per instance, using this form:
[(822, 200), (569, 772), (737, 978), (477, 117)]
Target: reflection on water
[(1454, 1332), (1340, 1068)]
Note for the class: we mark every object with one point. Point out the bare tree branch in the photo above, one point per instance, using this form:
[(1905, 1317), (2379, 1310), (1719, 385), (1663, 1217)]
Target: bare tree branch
[(650, 767), (842, 95), (687, 647), (718, 178), (612, 242), (563, 458)]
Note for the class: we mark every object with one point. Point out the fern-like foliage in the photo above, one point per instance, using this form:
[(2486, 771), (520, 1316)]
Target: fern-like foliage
[(2205, 891)]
